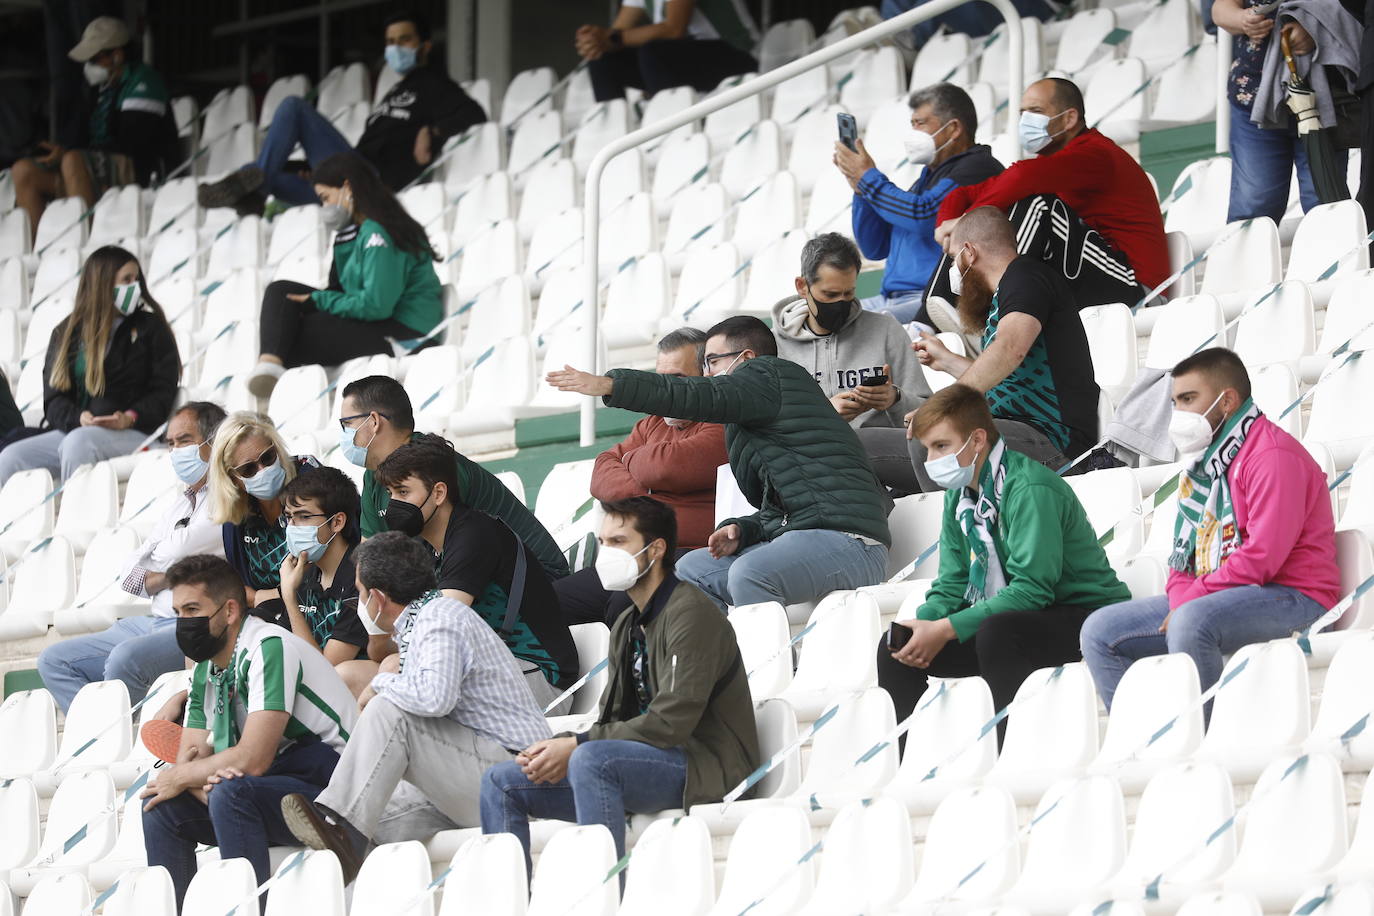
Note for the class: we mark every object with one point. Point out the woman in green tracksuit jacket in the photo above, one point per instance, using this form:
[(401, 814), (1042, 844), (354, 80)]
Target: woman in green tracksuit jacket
[(382, 286)]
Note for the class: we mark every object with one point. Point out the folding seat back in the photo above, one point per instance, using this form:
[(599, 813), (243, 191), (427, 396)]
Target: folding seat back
[(970, 836), (762, 873), (673, 873), (315, 883), (574, 874)]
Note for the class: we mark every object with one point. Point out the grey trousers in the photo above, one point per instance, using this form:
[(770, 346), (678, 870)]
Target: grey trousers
[(545, 693), (900, 463), (62, 453), (440, 761)]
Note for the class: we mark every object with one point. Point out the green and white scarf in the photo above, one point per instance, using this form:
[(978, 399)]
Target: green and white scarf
[(978, 518), (1205, 531)]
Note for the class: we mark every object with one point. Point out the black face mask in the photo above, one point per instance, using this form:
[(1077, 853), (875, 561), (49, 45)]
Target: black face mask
[(405, 517), (195, 639), (832, 315)]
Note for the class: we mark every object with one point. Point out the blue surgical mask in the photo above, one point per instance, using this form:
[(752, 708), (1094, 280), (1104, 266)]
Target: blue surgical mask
[(306, 539), (948, 473), (401, 59), (188, 464), (1034, 130), (267, 483), (355, 453)]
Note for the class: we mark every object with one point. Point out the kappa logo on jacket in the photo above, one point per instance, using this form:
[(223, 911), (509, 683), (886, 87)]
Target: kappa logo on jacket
[(375, 241)]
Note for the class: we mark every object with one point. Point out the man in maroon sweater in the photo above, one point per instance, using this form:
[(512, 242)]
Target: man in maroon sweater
[(1082, 203), (672, 460)]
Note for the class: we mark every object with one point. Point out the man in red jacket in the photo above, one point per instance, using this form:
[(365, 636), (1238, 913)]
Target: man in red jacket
[(1082, 203), (672, 460)]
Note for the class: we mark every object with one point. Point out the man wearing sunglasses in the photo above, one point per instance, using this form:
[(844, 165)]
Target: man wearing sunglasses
[(822, 519), (140, 648)]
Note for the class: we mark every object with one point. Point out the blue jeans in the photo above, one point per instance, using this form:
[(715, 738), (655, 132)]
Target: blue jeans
[(135, 650), (972, 18), (902, 306), (243, 817), (1205, 628), (792, 568), (62, 453), (1262, 163), (297, 121), (606, 779)]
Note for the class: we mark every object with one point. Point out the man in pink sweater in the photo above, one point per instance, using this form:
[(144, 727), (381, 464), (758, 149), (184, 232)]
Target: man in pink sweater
[(1254, 539)]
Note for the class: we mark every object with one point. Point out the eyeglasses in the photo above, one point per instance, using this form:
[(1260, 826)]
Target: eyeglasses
[(709, 362), (251, 468), (293, 518), (344, 421)]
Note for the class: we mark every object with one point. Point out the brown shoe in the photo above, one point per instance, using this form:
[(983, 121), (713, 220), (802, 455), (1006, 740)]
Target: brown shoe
[(230, 189), (319, 828)]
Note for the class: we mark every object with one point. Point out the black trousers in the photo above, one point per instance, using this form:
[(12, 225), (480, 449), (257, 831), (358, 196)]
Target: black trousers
[(301, 334), (1004, 652), (1049, 229), (668, 62)]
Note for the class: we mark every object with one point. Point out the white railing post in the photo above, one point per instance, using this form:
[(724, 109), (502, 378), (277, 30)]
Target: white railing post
[(1223, 100), (591, 215)]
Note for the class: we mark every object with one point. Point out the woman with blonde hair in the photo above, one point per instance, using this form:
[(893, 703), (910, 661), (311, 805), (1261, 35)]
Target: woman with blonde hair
[(249, 468), (111, 373)]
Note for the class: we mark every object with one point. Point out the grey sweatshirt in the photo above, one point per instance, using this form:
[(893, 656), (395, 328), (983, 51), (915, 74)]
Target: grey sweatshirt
[(842, 360)]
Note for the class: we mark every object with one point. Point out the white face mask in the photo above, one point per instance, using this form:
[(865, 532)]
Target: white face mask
[(956, 276), (369, 622), (920, 146), (948, 473), (617, 569), (1192, 432), (95, 74)]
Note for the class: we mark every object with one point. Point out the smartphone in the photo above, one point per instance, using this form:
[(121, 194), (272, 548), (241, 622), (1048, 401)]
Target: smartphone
[(849, 130), (897, 636), (875, 381)]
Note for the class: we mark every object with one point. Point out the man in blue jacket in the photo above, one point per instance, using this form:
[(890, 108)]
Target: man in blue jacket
[(900, 225)]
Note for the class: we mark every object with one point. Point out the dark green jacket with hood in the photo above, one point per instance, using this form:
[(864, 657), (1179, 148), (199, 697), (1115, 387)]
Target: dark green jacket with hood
[(790, 452)]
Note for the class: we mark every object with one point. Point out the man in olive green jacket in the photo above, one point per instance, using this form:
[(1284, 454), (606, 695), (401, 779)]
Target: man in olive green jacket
[(677, 721), (822, 519)]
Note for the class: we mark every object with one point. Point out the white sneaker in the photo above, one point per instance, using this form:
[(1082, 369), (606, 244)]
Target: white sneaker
[(264, 378)]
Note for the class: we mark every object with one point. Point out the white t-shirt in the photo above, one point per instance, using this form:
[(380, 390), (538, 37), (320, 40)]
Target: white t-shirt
[(272, 669)]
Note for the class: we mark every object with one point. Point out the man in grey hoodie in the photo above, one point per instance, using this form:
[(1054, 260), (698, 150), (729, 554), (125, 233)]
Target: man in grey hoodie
[(824, 329)]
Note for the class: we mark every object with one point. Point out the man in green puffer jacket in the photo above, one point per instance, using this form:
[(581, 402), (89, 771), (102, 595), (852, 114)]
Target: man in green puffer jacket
[(822, 519)]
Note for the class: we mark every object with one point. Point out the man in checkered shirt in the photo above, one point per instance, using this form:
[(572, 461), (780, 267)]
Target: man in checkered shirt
[(449, 702)]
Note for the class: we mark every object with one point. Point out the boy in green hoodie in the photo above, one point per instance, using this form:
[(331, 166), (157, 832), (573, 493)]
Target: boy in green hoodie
[(1020, 566)]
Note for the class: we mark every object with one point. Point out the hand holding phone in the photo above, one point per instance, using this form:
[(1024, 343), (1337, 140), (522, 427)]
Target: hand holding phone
[(849, 130), (897, 636)]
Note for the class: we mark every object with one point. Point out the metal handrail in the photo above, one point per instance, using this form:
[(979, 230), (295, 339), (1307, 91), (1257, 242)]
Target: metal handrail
[(592, 196)]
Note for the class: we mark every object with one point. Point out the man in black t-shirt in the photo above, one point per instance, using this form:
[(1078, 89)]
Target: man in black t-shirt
[(404, 133), (1035, 367), (480, 562)]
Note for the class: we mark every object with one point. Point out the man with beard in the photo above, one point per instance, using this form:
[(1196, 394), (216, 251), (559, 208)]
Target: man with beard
[(1035, 367)]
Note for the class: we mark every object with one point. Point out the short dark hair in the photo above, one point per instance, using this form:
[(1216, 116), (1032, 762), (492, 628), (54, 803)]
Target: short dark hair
[(654, 520), (948, 103), (829, 249), (401, 567), (1220, 365), (333, 491), (208, 417), (963, 405), (429, 457), (420, 22), (214, 574), (1067, 95), (384, 395), (745, 332), (684, 337)]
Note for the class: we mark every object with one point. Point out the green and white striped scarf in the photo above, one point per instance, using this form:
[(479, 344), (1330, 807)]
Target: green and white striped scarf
[(1205, 531), (978, 518)]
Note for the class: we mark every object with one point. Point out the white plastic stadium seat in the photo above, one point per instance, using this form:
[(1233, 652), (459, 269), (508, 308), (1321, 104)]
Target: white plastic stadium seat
[(228, 109), (62, 226), (281, 89), (946, 745), (58, 895), (753, 159), (1340, 900), (1330, 244), (1082, 44), (19, 807), (235, 148), (1264, 712), (878, 74), (42, 582), (550, 189), (943, 58), (574, 875), (971, 836), (1051, 733), (682, 161), (1214, 904), (1245, 258), (867, 863), (1111, 94), (761, 631), (476, 152), (1181, 327), (1110, 498), (697, 220), (90, 504), (1281, 328), (708, 289), (793, 98), (1155, 691), (30, 713), (836, 657), (1112, 343), (143, 892), (489, 872), (488, 258), (1295, 829), (86, 800), (314, 884), (220, 884), (1344, 703), (118, 215), (762, 865), (673, 874), (538, 139), (99, 599), (528, 92), (95, 734), (1331, 422), (593, 641)]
